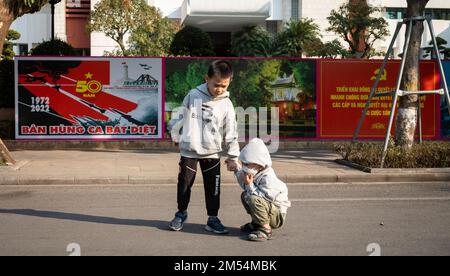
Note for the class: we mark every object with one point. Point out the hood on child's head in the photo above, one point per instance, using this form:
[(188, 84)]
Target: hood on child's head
[(256, 152)]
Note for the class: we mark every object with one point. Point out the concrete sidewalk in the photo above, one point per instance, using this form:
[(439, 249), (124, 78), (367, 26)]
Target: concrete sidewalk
[(161, 167)]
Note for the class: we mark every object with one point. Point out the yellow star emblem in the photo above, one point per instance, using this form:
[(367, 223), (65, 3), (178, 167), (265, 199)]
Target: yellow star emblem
[(89, 75)]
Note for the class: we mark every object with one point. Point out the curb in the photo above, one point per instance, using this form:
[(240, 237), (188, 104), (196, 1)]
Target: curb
[(289, 179), (165, 145)]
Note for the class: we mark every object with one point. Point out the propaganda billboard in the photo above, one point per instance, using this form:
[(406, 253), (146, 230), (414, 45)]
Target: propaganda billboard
[(88, 98), (344, 87), (286, 87), (445, 116)]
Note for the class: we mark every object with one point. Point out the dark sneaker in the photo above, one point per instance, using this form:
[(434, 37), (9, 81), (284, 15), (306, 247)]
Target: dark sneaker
[(214, 225), (248, 227), (260, 235), (178, 221)]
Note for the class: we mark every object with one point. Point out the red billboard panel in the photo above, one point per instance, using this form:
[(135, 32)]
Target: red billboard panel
[(344, 87)]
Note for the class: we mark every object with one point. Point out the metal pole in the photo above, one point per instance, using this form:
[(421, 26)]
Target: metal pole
[(394, 101), (441, 69), (419, 114), (52, 5), (375, 85)]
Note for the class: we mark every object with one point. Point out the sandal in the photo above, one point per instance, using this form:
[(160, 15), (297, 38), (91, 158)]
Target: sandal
[(260, 235), (248, 227)]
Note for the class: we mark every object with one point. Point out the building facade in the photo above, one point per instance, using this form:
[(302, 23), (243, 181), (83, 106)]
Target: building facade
[(219, 18)]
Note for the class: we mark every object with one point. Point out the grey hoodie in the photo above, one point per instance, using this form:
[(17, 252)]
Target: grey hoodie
[(266, 184), (203, 123)]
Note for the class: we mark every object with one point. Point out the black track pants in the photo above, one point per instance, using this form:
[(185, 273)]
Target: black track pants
[(211, 182)]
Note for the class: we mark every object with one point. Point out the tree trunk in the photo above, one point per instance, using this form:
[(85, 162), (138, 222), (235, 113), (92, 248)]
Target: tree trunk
[(9, 11), (406, 120), (121, 44), (6, 19), (359, 40)]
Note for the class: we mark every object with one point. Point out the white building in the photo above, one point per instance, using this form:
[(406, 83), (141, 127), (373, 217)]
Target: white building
[(221, 18), (71, 17), (35, 28)]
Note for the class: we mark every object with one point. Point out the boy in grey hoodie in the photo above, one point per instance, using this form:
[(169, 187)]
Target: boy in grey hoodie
[(265, 197), (206, 120)]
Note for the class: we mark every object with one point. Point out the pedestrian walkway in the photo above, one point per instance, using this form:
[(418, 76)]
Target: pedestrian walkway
[(161, 167)]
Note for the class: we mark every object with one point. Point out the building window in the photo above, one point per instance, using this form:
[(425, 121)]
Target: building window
[(73, 4), (391, 15), (295, 10), (23, 49), (272, 26), (435, 14)]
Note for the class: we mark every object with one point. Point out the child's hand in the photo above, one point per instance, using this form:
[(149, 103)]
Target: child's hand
[(232, 165), (247, 178)]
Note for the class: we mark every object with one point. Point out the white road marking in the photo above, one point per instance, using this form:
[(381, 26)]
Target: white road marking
[(370, 199)]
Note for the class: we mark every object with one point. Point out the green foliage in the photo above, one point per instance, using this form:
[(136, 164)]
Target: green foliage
[(442, 49), (296, 34), (331, 49), (153, 38), (7, 83), (179, 83), (21, 7), (31, 3), (291, 42), (116, 18), (8, 52), (426, 155), (252, 81), (192, 41), (54, 47), (354, 23), (253, 41)]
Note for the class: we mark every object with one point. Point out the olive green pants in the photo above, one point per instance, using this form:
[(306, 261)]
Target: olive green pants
[(262, 211)]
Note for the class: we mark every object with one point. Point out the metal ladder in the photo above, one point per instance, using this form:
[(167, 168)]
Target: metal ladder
[(398, 93)]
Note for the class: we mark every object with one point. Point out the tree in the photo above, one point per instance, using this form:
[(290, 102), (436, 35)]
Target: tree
[(442, 49), (253, 41), (406, 120), (331, 49), (353, 23), (153, 38), (179, 83), (7, 71), (118, 18), (55, 47), (9, 11), (296, 34), (8, 52), (251, 84), (192, 41)]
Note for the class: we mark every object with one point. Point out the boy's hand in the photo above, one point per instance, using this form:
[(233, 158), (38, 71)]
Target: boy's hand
[(247, 178), (232, 165)]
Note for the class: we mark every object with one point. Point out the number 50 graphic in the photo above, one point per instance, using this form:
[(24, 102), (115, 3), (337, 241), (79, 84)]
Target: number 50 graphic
[(91, 87)]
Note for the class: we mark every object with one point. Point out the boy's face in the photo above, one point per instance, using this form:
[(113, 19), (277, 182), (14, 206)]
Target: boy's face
[(216, 85), (253, 166)]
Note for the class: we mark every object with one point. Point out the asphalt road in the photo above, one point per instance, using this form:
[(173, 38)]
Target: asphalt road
[(325, 219)]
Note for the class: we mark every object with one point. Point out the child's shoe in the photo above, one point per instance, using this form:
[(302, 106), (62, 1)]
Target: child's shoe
[(214, 225), (248, 227), (178, 221), (260, 235)]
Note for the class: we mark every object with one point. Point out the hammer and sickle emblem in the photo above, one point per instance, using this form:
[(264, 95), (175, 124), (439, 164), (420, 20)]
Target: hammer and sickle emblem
[(383, 76)]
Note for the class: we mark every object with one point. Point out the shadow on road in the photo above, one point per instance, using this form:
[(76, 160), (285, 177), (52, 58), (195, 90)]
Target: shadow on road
[(192, 228)]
